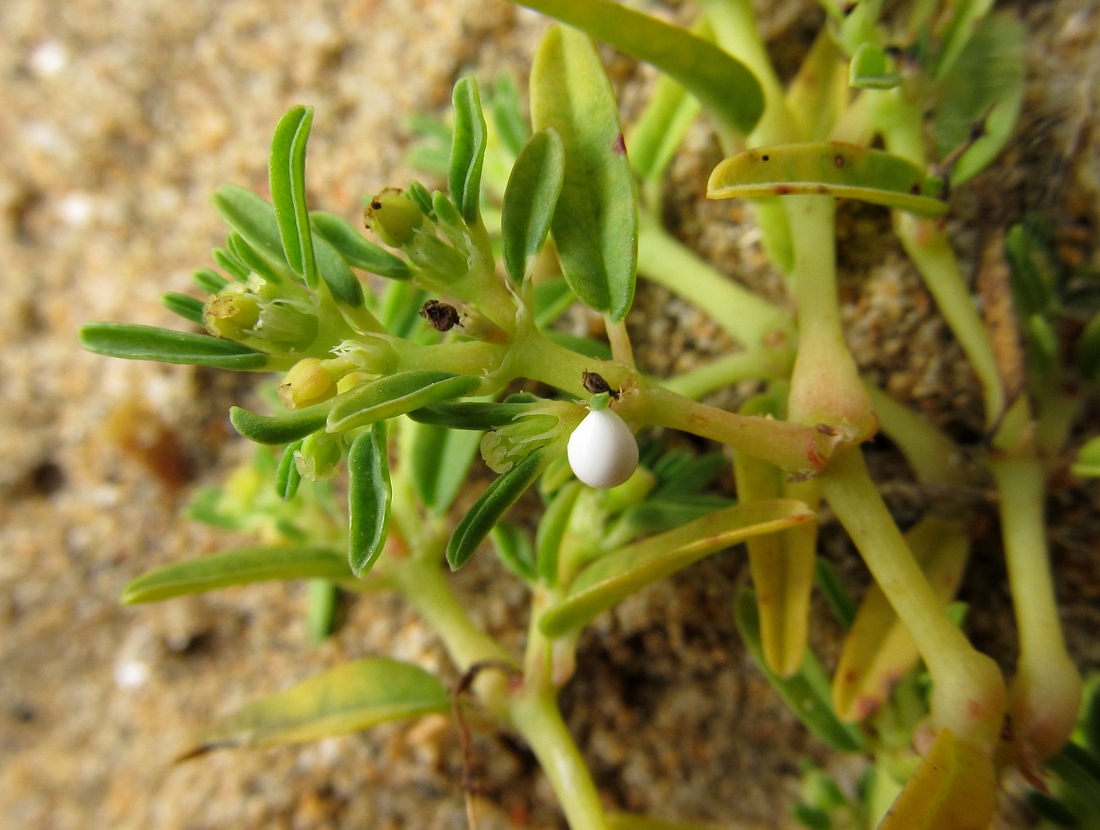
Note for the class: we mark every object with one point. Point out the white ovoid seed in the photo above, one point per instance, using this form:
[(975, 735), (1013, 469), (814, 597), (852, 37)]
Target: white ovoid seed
[(602, 451)]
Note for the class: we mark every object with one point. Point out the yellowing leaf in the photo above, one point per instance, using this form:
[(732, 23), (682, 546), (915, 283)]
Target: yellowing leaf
[(879, 650), (345, 699), (954, 788), (831, 168), (617, 575)]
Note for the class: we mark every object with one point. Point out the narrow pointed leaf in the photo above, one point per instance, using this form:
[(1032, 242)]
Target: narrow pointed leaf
[(806, 692), (189, 308), (507, 114), (656, 515), (209, 281), (836, 595), (133, 342), (529, 200), (395, 395), (231, 264), (965, 17), (782, 564), (724, 86), (515, 550), (369, 495), (691, 477), (552, 298), (491, 507), (595, 224), (657, 135), (356, 250), (832, 168), (346, 699), (254, 219), (280, 429), (551, 531), (344, 285), (617, 575), (440, 462), (467, 150), (879, 650), (288, 190), (954, 787), (479, 415), (419, 194), (870, 69), (586, 346), (236, 567), (287, 477), (400, 310), (254, 262)]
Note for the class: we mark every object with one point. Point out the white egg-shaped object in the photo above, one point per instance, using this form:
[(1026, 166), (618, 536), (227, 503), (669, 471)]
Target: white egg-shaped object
[(602, 451)]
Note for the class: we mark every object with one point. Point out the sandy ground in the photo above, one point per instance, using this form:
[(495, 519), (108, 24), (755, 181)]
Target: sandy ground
[(120, 117)]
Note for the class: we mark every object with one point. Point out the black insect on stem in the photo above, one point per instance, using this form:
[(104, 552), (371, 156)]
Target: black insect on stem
[(595, 384), (440, 315)]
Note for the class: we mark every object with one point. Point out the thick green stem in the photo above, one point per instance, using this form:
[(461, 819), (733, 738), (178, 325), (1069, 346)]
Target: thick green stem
[(930, 251), (535, 714), (968, 693), (1046, 692), (747, 318), (425, 588), (735, 29), (791, 447), (931, 453), (901, 125), (756, 364), (825, 384)]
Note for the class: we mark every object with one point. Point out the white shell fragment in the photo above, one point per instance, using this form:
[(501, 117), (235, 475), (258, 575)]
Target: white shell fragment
[(602, 451)]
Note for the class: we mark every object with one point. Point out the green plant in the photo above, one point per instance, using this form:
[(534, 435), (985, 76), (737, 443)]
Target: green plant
[(405, 386)]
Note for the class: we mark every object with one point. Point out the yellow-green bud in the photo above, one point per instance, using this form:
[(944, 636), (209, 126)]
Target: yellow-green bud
[(393, 216), (308, 382), (230, 315)]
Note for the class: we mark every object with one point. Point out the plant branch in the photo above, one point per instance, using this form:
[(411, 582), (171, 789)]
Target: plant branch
[(968, 694)]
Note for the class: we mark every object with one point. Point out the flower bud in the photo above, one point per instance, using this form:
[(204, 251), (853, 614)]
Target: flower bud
[(308, 382), (319, 456), (231, 315), (393, 216)]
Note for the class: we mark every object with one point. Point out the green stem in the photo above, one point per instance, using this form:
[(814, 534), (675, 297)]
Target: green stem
[(926, 244), (792, 447), (789, 446), (928, 247), (933, 456), (760, 363), (968, 694), (747, 318), (735, 29), (825, 384), (536, 715), (1046, 692), (425, 587), (621, 349)]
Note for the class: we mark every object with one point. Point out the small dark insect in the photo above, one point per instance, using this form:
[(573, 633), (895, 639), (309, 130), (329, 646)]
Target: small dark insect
[(440, 316), (838, 160), (595, 384)]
